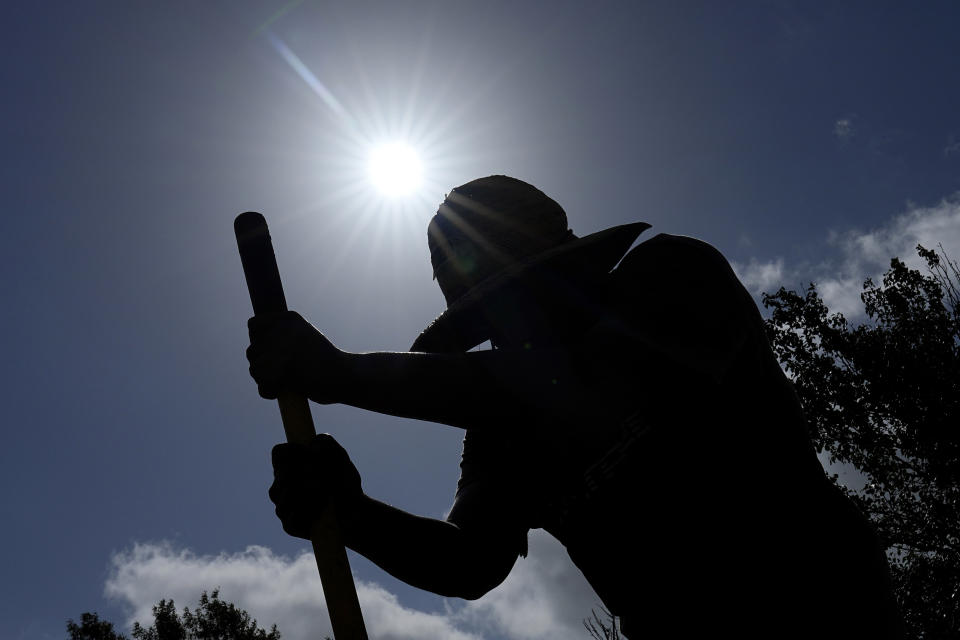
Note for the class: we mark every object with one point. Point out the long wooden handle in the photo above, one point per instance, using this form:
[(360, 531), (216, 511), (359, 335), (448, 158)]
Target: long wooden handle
[(266, 294)]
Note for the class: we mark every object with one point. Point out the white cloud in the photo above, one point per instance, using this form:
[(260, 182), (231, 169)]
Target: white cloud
[(861, 254), (272, 588), (867, 253), (759, 277), (544, 597), (842, 295)]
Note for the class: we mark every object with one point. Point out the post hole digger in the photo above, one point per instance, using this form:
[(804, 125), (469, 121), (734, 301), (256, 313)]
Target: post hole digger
[(266, 295)]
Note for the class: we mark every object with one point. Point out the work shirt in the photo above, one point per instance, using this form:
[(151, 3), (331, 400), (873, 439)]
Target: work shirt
[(691, 498)]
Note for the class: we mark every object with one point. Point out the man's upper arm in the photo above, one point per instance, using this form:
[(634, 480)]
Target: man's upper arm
[(489, 500), (493, 530)]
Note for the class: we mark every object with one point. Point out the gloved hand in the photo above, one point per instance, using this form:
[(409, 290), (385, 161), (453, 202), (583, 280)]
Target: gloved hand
[(307, 477), (287, 353)]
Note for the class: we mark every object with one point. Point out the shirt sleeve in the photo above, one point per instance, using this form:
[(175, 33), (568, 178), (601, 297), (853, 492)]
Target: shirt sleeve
[(479, 463), (492, 488)]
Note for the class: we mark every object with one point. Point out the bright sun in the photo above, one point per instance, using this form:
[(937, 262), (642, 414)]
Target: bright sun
[(395, 169)]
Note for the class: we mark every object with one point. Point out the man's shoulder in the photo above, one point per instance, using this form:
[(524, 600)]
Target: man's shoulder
[(665, 253), (679, 296), (676, 267)]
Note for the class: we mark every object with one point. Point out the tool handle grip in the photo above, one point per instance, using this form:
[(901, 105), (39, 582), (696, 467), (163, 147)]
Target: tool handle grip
[(259, 264), (266, 295)]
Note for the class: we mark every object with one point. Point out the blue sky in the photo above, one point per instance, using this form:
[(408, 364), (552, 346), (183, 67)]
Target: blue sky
[(806, 140)]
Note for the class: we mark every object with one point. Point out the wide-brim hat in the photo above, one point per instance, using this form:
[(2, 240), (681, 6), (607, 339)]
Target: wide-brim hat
[(561, 275)]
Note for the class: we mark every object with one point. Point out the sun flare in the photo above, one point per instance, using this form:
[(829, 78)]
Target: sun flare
[(395, 169)]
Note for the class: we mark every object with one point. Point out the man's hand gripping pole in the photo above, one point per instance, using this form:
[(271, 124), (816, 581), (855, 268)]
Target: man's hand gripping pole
[(266, 294)]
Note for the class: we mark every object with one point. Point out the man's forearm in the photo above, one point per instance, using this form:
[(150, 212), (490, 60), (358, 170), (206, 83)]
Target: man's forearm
[(434, 555), (467, 390)]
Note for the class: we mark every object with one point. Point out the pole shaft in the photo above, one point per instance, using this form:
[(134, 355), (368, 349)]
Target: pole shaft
[(266, 295)]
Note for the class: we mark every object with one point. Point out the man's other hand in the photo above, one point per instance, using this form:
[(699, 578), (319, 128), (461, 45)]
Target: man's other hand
[(307, 477), (287, 353)]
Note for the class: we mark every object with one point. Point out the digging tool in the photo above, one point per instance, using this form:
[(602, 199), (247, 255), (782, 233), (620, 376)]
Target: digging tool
[(266, 294)]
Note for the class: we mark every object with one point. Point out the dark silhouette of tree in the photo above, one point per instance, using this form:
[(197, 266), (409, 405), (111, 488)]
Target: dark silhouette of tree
[(884, 396), (213, 619), (91, 627), (605, 628)]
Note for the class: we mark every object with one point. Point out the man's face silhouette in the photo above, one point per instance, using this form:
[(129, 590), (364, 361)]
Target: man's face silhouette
[(461, 270), (513, 318)]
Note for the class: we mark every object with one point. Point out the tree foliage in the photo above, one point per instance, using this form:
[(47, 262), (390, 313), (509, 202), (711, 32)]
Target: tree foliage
[(884, 396), (213, 619), (91, 627)]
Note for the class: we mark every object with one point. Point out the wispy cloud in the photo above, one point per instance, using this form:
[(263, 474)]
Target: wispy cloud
[(759, 277), (859, 254), (843, 128), (544, 597), (865, 254), (953, 145)]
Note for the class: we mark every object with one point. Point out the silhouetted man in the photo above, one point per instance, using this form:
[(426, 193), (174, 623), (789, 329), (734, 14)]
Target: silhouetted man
[(631, 407)]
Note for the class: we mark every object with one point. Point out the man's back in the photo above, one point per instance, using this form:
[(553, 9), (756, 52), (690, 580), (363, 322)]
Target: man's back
[(712, 512)]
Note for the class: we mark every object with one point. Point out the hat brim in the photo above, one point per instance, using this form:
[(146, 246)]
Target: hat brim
[(461, 326)]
